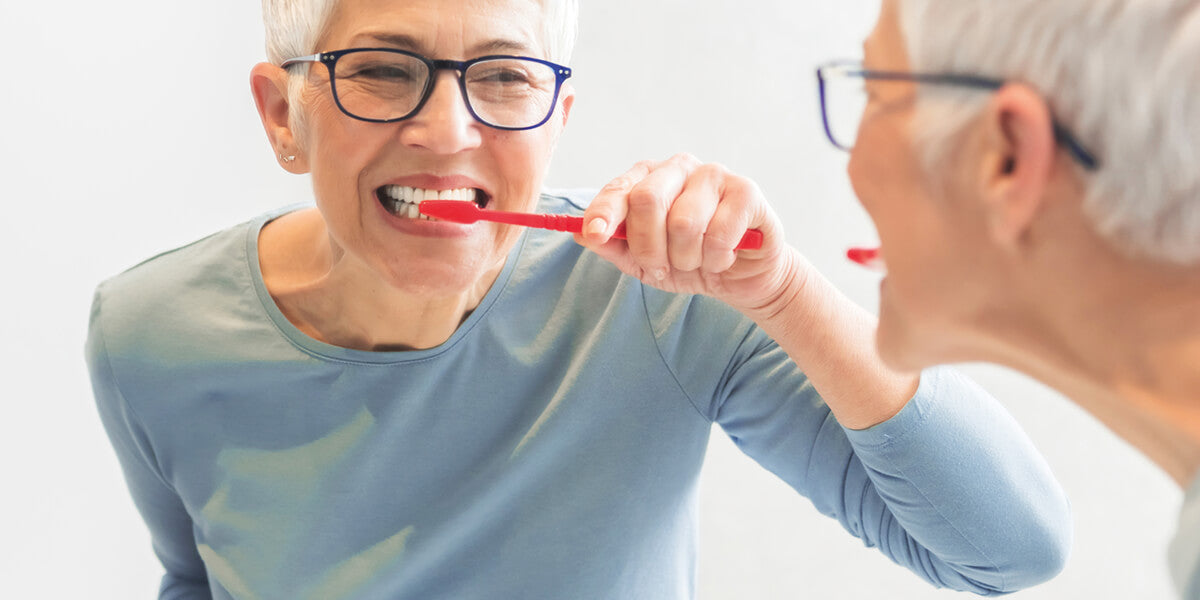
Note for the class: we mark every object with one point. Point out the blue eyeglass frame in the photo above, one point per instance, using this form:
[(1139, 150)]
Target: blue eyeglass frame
[(329, 59), (855, 69)]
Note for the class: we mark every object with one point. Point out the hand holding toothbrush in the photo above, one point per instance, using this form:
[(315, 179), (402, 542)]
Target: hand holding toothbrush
[(683, 221)]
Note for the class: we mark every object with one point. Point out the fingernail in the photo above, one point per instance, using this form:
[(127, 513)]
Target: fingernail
[(660, 274), (596, 227)]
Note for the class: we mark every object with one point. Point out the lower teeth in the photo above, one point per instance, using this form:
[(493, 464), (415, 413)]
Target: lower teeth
[(403, 209)]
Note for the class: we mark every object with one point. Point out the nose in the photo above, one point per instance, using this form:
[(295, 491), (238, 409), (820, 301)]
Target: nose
[(443, 125)]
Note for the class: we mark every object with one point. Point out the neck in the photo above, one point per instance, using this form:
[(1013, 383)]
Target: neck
[(1122, 338), (333, 298)]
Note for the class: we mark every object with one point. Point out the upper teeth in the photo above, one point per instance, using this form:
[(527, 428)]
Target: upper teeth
[(402, 193), (404, 199)]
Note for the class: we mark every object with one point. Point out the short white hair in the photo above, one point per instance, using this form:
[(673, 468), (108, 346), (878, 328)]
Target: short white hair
[(293, 27), (1121, 75)]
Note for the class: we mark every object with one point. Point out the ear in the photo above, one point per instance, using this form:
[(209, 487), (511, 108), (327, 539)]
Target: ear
[(568, 100), (1020, 161), (269, 84)]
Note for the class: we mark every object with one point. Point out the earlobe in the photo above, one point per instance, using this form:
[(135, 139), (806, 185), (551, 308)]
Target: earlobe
[(1021, 162), (269, 84)]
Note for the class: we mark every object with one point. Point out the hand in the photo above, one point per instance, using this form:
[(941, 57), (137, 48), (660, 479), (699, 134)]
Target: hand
[(682, 222)]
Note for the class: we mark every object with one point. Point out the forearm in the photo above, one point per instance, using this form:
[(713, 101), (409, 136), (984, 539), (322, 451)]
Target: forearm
[(832, 340), (962, 480)]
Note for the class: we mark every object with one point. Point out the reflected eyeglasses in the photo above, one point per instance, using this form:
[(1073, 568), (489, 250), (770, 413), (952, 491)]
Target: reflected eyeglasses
[(843, 100)]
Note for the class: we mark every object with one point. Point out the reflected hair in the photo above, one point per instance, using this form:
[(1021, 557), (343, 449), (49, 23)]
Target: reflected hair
[(1122, 75)]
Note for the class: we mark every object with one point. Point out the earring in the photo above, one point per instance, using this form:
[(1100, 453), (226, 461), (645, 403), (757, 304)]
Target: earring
[(287, 159)]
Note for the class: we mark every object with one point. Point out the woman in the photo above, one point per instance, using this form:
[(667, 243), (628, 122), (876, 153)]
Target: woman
[(347, 400), (1039, 206)]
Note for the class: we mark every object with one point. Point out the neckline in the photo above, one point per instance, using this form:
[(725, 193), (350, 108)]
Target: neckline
[(326, 351)]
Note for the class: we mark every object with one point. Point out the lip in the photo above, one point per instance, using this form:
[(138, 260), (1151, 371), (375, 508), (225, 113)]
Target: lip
[(423, 227)]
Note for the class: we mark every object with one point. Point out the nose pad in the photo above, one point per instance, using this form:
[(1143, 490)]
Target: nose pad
[(444, 124)]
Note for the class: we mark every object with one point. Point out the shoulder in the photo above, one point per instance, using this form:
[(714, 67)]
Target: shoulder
[(177, 297), (164, 278), (566, 200)]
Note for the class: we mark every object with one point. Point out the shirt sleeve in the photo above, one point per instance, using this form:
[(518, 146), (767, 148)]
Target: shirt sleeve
[(950, 487), (161, 508)]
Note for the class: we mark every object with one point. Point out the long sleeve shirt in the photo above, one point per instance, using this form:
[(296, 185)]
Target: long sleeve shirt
[(549, 449)]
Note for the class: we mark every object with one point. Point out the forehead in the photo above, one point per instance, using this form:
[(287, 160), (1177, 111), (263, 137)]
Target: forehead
[(439, 28)]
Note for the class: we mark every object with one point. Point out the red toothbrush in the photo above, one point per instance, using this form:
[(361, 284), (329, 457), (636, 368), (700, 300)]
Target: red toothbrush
[(465, 211), (867, 257)]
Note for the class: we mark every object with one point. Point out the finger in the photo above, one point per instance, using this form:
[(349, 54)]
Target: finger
[(610, 205), (646, 221), (690, 218), (742, 207), (614, 251)]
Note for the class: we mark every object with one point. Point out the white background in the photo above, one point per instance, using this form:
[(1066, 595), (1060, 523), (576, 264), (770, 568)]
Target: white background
[(128, 128)]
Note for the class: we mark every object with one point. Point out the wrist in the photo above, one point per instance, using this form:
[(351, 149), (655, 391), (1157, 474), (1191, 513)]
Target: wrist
[(786, 300)]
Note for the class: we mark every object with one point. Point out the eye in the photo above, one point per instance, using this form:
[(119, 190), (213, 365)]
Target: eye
[(382, 72), (500, 75)]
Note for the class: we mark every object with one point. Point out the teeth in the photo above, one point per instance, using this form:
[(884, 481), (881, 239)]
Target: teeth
[(402, 201)]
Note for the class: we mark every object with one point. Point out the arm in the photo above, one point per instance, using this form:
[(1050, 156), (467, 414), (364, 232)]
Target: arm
[(949, 488), (940, 477), (161, 508), (683, 220)]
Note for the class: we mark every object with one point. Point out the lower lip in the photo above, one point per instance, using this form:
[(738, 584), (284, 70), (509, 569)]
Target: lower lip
[(423, 227)]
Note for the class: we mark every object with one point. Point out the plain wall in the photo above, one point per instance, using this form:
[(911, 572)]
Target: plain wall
[(128, 128)]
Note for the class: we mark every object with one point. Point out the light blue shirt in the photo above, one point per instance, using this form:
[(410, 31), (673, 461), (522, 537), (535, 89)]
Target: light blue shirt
[(1184, 554), (549, 449)]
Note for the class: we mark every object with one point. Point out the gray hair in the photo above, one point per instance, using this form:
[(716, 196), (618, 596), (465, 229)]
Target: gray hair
[(294, 26), (1122, 75)]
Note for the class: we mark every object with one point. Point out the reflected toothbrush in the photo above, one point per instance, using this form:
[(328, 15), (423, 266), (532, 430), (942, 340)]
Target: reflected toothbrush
[(465, 211), (869, 258)]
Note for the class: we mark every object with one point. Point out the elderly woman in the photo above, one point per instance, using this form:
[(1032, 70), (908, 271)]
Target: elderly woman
[(1036, 188), (353, 401)]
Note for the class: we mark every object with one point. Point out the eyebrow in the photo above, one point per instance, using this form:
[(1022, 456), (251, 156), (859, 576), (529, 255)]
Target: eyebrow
[(408, 42)]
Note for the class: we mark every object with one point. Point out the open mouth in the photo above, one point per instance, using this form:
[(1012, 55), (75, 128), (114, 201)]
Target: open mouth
[(402, 201)]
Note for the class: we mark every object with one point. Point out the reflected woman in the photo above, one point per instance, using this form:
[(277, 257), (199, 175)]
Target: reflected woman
[(1039, 206)]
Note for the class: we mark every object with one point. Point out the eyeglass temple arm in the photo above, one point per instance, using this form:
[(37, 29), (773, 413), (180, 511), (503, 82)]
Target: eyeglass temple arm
[(301, 59)]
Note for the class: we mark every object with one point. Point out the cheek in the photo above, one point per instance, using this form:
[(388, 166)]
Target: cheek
[(522, 162), (874, 170)]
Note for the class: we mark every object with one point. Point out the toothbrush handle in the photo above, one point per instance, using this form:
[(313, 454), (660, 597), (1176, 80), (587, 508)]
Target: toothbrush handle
[(751, 241)]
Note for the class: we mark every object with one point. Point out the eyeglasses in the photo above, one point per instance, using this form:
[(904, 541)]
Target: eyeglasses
[(843, 100), (384, 85)]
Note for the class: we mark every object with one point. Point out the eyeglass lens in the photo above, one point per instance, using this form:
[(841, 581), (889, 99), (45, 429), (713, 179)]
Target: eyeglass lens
[(501, 92), (844, 103)]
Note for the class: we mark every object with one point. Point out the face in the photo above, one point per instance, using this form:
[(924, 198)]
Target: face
[(926, 236), (354, 163)]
